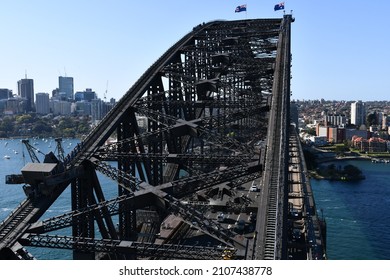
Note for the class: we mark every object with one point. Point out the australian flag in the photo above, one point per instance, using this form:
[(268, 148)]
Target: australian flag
[(241, 8), (279, 6)]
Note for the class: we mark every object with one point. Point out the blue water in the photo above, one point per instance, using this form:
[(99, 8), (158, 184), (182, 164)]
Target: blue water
[(12, 195), (357, 214)]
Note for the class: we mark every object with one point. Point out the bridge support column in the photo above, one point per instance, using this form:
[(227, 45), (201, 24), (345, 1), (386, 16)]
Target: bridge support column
[(82, 191), (127, 216)]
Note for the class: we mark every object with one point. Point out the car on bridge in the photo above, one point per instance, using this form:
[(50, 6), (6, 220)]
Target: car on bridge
[(252, 217), (221, 217), (254, 187)]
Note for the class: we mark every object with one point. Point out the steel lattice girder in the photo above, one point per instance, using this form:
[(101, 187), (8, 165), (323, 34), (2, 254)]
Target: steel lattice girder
[(137, 249), (223, 73)]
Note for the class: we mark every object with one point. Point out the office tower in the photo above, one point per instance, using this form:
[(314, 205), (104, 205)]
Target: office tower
[(61, 107), (96, 110), (5, 93), (358, 113), (26, 90), (87, 95), (42, 103), (66, 87)]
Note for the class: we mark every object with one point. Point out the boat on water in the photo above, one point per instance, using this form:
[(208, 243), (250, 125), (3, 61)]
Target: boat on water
[(7, 157), (377, 160)]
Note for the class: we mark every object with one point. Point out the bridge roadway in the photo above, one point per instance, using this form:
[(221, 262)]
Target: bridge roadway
[(20, 219), (307, 231), (207, 101)]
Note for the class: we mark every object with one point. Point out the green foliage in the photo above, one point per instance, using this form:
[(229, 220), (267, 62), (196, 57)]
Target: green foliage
[(340, 149), (32, 125), (68, 133), (42, 128), (66, 122), (7, 126), (312, 131), (372, 119), (24, 119), (346, 173), (352, 171)]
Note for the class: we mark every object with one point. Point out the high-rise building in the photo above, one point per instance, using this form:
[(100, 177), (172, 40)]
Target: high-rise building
[(5, 93), (60, 107), (83, 108), (87, 95), (42, 103), (66, 86), (26, 90), (384, 121), (15, 105), (96, 110), (337, 120), (358, 113)]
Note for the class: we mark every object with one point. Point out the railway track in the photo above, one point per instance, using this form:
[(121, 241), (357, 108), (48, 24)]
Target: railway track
[(187, 133), (15, 223)]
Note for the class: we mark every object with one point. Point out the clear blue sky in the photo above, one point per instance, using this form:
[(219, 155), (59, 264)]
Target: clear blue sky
[(340, 48)]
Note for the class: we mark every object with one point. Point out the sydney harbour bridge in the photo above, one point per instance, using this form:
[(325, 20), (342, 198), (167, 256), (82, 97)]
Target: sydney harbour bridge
[(205, 163)]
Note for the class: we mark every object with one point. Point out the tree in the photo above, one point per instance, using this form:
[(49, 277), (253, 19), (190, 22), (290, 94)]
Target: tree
[(42, 128), (66, 123), (68, 132), (341, 149), (372, 119), (7, 126), (311, 131), (24, 119), (352, 171)]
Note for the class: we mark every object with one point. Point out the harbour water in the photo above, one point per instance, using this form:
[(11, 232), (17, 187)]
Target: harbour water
[(13, 156), (357, 213)]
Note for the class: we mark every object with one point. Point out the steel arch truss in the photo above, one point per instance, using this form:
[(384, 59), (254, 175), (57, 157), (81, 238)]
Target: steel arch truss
[(188, 125)]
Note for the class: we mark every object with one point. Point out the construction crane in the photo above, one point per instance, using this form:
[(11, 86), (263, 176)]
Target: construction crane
[(18, 178), (60, 149), (40, 178), (30, 150), (105, 93)]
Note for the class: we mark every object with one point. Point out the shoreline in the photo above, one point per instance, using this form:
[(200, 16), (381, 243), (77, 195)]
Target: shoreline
[(342, 159), (330, 159), (315, 175)]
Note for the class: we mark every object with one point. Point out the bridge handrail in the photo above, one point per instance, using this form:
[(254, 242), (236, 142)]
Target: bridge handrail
[(13, 213)]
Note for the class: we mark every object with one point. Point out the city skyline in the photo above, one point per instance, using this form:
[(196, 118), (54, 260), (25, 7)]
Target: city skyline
[(338, 50)]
